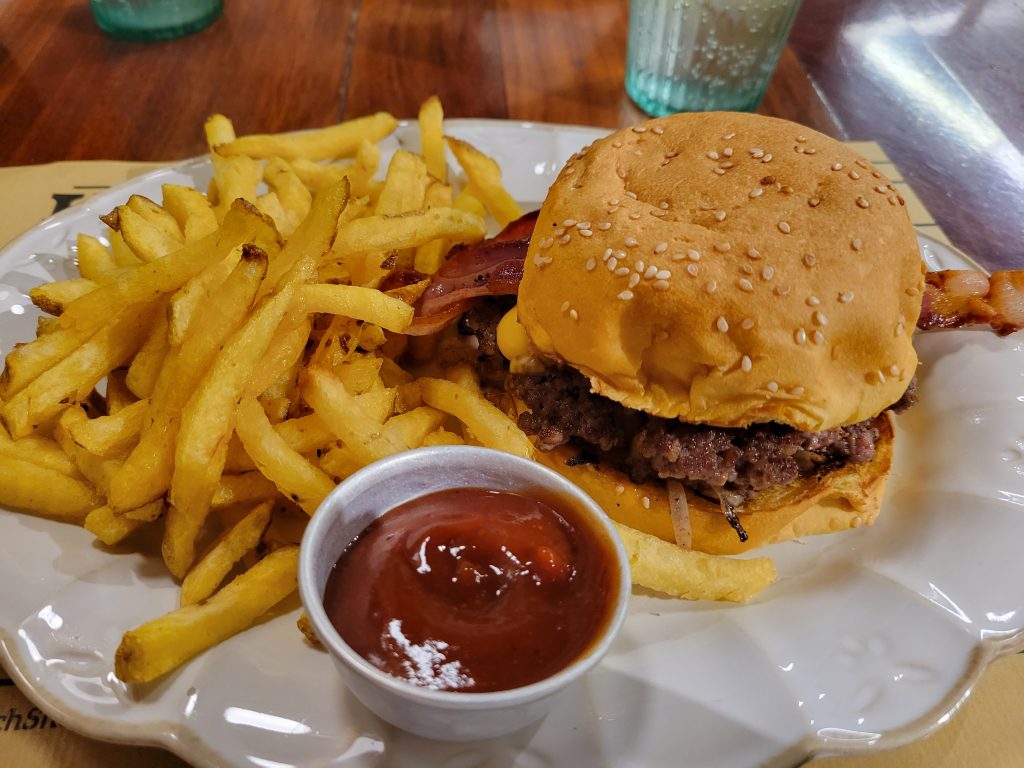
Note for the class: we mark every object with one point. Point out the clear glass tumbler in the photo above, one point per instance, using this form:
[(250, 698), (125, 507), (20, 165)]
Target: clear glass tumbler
[(151, 20), (702, 55)]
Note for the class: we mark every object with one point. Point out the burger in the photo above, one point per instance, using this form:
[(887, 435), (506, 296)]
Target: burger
[(713, 328)]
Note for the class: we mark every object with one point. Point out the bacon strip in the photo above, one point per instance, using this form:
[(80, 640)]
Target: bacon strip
[(957, 298)]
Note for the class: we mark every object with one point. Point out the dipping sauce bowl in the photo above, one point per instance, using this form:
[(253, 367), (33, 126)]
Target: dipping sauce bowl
[(358, 502)]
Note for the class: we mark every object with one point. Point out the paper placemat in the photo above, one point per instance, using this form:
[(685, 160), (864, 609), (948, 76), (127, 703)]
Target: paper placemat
[(986, 732)]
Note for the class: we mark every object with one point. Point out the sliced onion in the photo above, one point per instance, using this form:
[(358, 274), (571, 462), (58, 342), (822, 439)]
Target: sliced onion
[(730, 502), (679, 510)]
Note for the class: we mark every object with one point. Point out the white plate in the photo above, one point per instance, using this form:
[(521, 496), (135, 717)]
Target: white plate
[(870, 639)]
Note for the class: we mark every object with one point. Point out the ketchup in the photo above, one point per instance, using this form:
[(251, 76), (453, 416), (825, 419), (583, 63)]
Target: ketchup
[(471, 589)]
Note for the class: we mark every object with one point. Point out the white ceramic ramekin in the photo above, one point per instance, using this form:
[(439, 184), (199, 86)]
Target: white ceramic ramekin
[(360, 499)]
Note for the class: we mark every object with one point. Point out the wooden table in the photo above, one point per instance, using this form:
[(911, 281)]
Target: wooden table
[(939, 83)]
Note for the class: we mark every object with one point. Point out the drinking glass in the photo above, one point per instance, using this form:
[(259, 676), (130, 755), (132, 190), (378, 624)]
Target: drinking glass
[(150, 20)]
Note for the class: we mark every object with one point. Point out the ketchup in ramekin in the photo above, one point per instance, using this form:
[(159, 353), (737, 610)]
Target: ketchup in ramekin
[(474, 590)]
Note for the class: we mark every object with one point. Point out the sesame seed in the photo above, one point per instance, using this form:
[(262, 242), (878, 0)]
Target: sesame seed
[(662, 274), (565, 306), (569, 169), (564, 240), (678, 256), (801, 139), (582, 225), (626, 295), (693, 269), (894, 371), (810, 259), (658, 130), (727, 164), (767, 158), (813, 301), (820, 319), (722, 324), (882, 189), (856, 244), (604, 225), (574, 314), (622, 271), (747, 324), (720, 215), (798, 391), (541, 261), (585, 232), (781, 290), (746, 364), (810, 151), (722, 247), (617, 143), (712, 155), (591, 263), (784, 227), (753, 253), (773, 386), (854, 175), (746, 269), (661, 285), (608, 253), (756, 152), (569, 223), (710, 286), (650, 272), (559, 232), (613, 264), (819, 337), (638, 129), (729, 135), (631, 194), (846, 298), (720, 171), (862, 164), (899, 328), (646, 501), (745, 284), (837, 166), (670, 155), (547, 242), (634, 215), (786, 190), (862, 202), (657, 213), (620, 489), (631, 242), (814, 202), (880, 376), (661, 247), (800, 336), (640, 266), (613, 209), (756, 192), (663, 205), (693, 255), (727, 152), (767, 273), (633, 279)]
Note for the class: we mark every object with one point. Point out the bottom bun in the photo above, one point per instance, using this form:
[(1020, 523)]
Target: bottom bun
[(847, 497)]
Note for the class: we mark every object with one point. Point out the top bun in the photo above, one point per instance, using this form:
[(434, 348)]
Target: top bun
[(727, 268)]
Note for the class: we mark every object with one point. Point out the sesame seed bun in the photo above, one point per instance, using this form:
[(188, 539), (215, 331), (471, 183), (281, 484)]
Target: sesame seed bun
[(844, 498), (727, 269)]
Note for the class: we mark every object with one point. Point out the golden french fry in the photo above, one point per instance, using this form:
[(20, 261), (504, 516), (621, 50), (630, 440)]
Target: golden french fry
[(470, 203), (409, 230), (94, 258), (413, 427), (123, 255), (208, 573), (112, 529), (148, 281), (73, 378), (340, 140), (149, 360), (443, 437), (191, 210), (112, 435), (294, 196), (147, 240), (41, 451), (207, 422), (318, 176), (340, 462), (487, 423), (361, 174), (160, 645), (53, 298), (404, 186), (664, 567), (197, 292), (293, 475), (44, 491), (118, 394), (359, 303), (430, 256), (26, 362), (158, 216), (246, 488), (431, 120), (233, 177), (484, 176), (98, 470)]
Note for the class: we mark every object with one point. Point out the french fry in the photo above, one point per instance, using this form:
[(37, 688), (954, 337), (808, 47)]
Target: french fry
[(293, 475), (340, 140), (160, 645), (384, 233), (413, 427), (430, 256), (245, 488), (52, 298), (664, 567), (318, 176), (112, 529), (484, 176), (443, 437), (294, 196), (361, 174), (208, 573), (44, 491), (118, 394), (158, 216), (242, 224), (206, 425), (191, 210), (147, 240), (488, 424), (26, 362), (112, 435), (431, 120), (404, 186), (41, 451), (234, 178), (359, 303), (197, 292), (94, 258), (73, 378), (98, 470), (149, 360), (123, 255)]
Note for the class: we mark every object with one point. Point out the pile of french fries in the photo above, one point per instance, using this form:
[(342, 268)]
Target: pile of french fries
[(248, 362)]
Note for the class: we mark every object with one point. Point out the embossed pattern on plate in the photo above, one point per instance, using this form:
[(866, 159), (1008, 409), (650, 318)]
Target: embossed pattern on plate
[(869, 639)]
